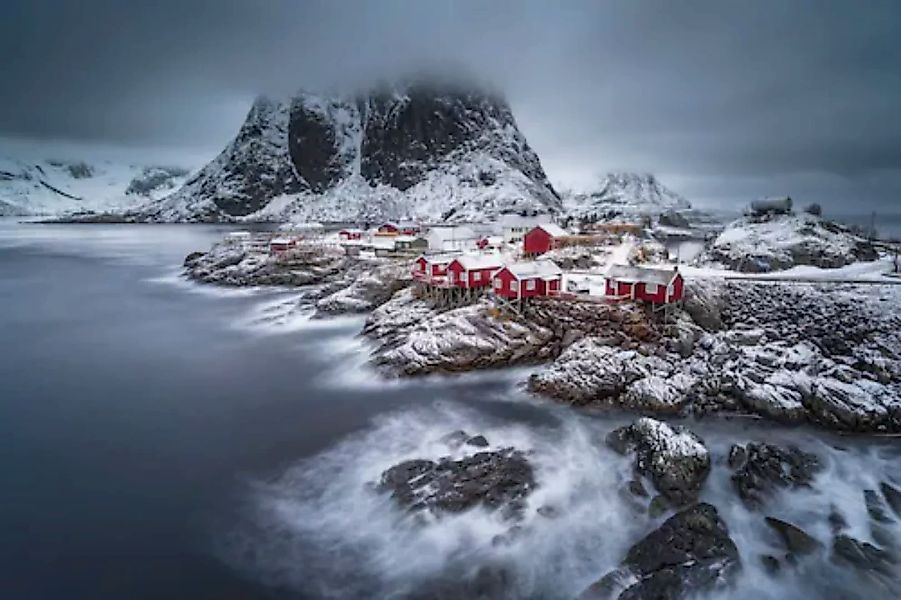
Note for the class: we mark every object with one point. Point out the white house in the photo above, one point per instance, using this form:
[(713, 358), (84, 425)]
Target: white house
[(514, 227), (451, 237)]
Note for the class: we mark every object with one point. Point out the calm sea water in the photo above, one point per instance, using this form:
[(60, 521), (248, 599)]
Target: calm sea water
[(164, 440)]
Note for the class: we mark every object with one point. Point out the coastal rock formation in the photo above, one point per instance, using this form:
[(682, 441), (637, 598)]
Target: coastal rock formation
[(777, 242), (761, 469), (496, 480), (421, 148), (237, 264), (367, 289), (690, 553), (462, 339), (676, 460)]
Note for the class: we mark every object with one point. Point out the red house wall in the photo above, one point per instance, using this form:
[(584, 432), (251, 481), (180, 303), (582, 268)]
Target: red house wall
[(388, 229), (506, 277), (537, 241), (419, 266), (459, 273), (484, 279), (678, 288)]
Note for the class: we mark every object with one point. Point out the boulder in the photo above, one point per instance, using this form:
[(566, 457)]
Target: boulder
[(892, 496), (796, 540), (767, 468), (495, 480), (676, 460), (690, 553), (862, 555)]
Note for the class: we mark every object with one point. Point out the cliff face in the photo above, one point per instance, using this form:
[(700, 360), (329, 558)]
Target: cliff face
[(419, 150)]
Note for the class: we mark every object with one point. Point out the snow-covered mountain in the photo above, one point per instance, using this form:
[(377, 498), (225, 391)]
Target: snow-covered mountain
[(80, 180), (622, 194), (422, 150)]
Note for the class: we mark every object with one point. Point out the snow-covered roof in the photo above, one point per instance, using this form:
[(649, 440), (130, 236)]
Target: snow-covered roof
[(553, 230), (475, 262), (351, 230), (444, 232), (440, 257), (514, 220), (535, 269), (281, 240), (239, 234), (406, 238), (630, 274)]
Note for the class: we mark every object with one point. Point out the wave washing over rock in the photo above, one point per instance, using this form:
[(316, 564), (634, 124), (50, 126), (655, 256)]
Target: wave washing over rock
[(547, 511), (423, 149)]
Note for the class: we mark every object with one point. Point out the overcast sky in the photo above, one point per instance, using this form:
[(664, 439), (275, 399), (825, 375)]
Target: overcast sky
[(725, 101)]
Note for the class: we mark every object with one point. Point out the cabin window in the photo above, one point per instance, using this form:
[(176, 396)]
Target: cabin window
[(513, 285), (497, 284), (530, 284), (650, 288), (450, 276), (477, 276)]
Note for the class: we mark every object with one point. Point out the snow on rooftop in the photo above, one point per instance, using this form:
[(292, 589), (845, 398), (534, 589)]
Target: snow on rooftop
[(541, 269), (473, 262), (281, 240), (553, 229), (631, 274)]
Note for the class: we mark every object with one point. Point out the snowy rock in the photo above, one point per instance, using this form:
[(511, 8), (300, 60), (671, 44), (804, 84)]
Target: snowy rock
[(863, 555), (419, 149), (774, 243), (495, 480), (761, 469), (462, 339), (368, 289), (676, 460), (237, 264), (689, 554)]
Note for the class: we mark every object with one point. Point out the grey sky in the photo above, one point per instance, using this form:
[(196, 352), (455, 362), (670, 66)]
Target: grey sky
[(725, 101)]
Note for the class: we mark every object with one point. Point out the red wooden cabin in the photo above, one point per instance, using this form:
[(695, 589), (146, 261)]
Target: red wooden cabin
[(658, 286), (473, 270), (350, 234), (528, 279), (432, 268), (542, 238)]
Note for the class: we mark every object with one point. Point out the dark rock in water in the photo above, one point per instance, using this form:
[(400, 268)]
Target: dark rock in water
[(837, 521), (690, 553), (637, 488), (862, 555), (892, 496), (478, 441), (495, 480), (658, 506), (192, 258), (769, 467), (455, 439), (548, 512), (875, 507), (673, 457), (770, 563), (796, 540), (737, 456)]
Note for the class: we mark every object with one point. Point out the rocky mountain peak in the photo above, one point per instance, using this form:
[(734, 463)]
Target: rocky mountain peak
[(627, 194), (417, 148)]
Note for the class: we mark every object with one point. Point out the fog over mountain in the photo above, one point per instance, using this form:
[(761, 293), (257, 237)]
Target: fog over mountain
[(724, 102)]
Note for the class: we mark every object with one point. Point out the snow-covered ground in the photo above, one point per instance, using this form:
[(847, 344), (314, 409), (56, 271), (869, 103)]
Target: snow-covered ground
[(40, 178)]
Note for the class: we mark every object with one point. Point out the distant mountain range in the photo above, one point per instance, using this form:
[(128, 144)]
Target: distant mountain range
[(424, 150)]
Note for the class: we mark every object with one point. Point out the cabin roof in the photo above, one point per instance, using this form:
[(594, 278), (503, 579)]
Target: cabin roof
[(552, 229), (535, 269), (475, 262), (628, 274), (281, 240), (440, 257)]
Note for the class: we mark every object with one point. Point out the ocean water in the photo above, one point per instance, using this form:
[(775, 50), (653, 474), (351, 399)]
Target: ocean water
[(163, 439)]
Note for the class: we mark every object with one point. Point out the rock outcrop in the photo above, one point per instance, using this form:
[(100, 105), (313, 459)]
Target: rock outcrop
[(690, 553), (761, 469), (776, 242), (676, 460), (496, 480)]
